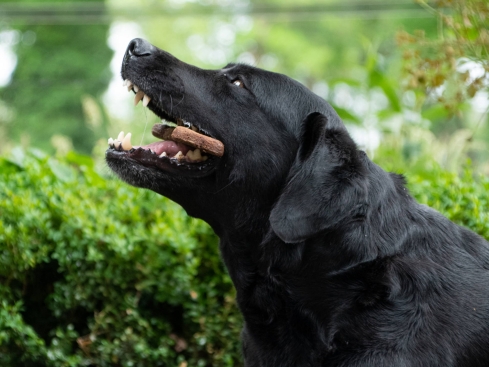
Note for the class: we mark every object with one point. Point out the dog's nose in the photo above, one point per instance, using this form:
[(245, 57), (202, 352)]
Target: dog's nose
[(139, 47)]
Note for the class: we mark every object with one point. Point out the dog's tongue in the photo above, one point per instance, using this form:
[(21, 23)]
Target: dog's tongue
[(170, 147)]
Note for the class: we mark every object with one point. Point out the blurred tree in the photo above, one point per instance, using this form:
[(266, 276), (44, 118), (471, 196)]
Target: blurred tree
[(447, 72), (463, 36), (308, 39), (325, 39), (58, 67), (322, 43)]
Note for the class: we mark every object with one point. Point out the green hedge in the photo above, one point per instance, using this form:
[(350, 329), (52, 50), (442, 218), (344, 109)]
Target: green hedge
[(462, 198), (94, 272)]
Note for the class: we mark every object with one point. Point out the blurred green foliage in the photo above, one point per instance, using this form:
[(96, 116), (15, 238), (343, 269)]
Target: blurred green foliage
[(432, 62), (326, 44), (58, 66), (447, 71), (94, 272)]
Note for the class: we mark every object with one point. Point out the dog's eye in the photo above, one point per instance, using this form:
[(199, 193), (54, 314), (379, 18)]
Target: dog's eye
[(238, 83)]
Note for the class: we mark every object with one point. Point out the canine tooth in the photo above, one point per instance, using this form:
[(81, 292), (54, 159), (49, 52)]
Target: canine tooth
[(126, 143), (146, 100), (121, 136), (162, 155), (138, 97)]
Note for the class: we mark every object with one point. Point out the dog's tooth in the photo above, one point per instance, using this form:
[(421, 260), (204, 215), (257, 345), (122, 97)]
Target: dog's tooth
[(110, 141), (117, 144), (121, 136), (163, 155), (194, 155), (138, 97), (136, 88), (197, 154), (126, 143), (179, 155), (146, 100), (129, 85)]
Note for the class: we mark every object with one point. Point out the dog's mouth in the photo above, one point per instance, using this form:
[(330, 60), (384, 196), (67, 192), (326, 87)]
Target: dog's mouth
[(184, 148)]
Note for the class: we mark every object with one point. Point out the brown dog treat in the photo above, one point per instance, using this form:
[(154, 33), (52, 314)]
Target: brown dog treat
[(206, 144), (162, 131)]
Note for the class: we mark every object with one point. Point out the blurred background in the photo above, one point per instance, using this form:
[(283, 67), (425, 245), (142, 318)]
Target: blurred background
[(96, 273), (385, 66)]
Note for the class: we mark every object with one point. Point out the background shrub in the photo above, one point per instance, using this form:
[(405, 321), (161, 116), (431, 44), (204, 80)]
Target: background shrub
[(94, 272)]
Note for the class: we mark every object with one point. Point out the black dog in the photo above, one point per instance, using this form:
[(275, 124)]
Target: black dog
[(334, 262)]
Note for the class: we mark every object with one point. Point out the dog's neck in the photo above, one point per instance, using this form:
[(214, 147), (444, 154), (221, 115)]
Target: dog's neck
[(249, 245)]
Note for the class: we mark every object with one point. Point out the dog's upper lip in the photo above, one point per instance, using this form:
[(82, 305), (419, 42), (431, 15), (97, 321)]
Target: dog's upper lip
[(148, 101), (163, 154)]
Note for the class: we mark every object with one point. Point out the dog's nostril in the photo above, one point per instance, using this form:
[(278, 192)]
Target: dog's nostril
[(140, 47)]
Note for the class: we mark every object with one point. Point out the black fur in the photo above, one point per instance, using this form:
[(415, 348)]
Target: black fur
[(334, 263)]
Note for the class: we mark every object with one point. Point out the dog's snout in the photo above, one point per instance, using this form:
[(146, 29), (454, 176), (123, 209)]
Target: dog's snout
[(140, 47)]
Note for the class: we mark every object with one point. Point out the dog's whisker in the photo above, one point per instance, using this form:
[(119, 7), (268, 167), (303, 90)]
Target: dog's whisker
[(145, 127), (181, 101), (222, 188)]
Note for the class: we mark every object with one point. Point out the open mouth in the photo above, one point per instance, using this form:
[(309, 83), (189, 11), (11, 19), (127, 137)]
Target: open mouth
[(183, 148)]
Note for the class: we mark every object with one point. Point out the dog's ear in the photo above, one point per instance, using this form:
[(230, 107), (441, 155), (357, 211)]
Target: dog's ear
[(327, 184)]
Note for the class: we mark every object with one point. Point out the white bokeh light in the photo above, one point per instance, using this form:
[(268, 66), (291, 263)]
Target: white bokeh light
[(116, 98), (8, 59)]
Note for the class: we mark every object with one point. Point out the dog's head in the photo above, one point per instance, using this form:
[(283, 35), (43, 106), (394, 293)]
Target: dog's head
[(257, 115)]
